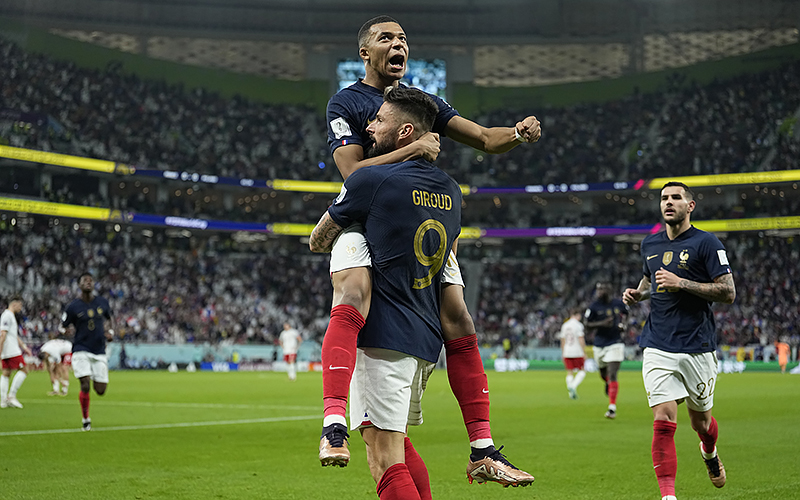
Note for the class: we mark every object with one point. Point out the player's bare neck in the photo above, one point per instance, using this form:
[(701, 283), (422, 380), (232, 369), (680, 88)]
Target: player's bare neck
[(675, 231), (87, 297), (380, 82)]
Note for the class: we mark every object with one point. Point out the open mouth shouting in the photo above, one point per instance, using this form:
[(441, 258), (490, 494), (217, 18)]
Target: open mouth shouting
[(397, 63)]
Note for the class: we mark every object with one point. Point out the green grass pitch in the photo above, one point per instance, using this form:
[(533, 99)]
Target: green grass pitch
[(159, 435)]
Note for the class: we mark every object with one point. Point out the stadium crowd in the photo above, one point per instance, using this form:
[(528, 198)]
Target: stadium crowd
[(214, 290), (738, 124), (162, 293)]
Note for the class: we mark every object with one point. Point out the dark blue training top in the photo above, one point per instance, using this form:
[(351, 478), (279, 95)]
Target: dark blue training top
[(88, 320), (353, 108), (607, 335), (680, 321), (411, 213)]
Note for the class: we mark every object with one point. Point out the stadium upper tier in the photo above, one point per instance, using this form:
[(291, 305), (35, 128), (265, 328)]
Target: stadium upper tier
[(736, 125)]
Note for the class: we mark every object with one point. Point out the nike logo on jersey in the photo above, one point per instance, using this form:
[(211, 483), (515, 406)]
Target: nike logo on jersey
[(331, 367), (652, 257), (486, 391)]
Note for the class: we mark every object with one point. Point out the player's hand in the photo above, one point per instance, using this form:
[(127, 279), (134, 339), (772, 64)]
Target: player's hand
[(27, 350), (110, 334), (529, 129), (667, 279), (429, 146), (631, 296)]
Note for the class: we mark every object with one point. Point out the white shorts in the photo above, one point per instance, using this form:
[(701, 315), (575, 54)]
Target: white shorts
[(53, 358), (350, 250), (670, 376), (87, 364), (614, 353), (386, 389)]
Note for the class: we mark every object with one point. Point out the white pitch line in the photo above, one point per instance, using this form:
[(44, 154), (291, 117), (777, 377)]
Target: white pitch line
[(150, 404), (162, 426)]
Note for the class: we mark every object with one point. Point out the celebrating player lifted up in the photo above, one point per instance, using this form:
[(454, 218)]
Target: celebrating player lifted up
[(89, 360), (384, 49)]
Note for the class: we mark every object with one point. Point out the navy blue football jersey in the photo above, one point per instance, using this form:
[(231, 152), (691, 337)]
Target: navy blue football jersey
[(605, 336), (88, 319), (680, 321), (411, 213), (353, 108)]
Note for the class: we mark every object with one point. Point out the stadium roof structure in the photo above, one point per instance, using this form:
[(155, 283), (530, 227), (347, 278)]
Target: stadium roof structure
[(512, 42)]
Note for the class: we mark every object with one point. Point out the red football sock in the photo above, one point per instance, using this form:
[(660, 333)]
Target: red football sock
[(710, 439), (613, 389), (418, 470), (339, 357), (83, 397), (396, 484), (469, 385), (665, 460)]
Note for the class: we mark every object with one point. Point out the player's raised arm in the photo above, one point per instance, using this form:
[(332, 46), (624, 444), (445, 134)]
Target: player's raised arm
[(350, 158), (493, 140)]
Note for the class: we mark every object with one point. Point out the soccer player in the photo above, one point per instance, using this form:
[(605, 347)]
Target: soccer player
[(56, 355), (685, 271), (290, 340), (606, 316), (11, 351), (384, 49), (573, 347), (86, 315), (411, 214)]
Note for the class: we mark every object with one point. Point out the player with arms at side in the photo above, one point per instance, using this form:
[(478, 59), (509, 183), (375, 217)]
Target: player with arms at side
[(56, 355), (685, 271), (290, 341), (12, 349), (86, 316), (384, 49), (606, 316), (573, 347)]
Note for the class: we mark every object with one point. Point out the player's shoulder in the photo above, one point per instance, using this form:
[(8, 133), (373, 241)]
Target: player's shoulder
[(705, 236), (655, 238), (352, 94)]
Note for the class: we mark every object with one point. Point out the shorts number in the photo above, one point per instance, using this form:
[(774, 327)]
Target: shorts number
[(433, 262), (90, 324), (702, 386)]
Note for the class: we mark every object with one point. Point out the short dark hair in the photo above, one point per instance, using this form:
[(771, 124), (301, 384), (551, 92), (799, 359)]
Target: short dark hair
[(15, 297), (687, 189), (363, 33), (85, 273), (415, 104)]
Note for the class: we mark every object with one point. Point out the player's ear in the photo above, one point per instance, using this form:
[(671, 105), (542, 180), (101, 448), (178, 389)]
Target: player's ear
[(406, 131), (692, 204), (363, 53)]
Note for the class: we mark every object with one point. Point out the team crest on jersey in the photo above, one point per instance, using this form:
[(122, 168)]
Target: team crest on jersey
[(100, 311), (90, 313), (684, 256), (340, 128), (666, 258)]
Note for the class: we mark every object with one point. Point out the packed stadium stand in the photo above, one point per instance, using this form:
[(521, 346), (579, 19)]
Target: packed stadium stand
[(211, 288)]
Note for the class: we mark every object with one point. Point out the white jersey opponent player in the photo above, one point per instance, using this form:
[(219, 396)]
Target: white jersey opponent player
[(56, 355), (12, 349), (290, 341), (573, 347)]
